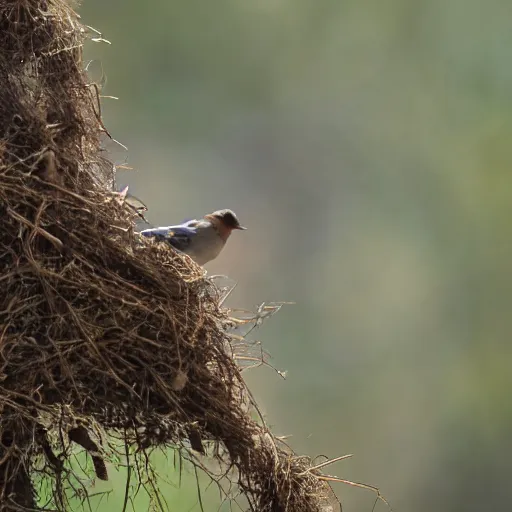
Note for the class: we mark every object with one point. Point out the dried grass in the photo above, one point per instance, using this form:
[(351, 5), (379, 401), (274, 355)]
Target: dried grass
[(108, 342)]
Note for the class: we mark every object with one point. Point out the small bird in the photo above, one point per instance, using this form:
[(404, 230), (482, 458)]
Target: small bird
[(201, 239)]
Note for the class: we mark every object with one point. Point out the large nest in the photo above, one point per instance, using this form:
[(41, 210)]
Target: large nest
[(104, 339)]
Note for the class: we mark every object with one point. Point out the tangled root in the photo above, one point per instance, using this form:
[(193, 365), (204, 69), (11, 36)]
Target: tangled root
[(106, 341)]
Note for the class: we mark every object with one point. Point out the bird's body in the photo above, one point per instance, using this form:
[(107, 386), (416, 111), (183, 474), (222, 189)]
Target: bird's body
[(201, 239)]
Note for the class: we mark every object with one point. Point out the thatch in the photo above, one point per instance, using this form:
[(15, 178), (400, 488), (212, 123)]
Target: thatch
[(104, 338)]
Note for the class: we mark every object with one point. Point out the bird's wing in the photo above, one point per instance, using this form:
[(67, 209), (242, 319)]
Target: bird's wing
[(191, 223), (178, 236)]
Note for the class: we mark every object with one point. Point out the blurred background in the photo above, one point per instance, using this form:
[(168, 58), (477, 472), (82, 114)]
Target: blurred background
[(367, 147)]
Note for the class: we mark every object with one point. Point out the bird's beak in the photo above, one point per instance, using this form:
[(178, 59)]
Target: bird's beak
[(241, 227)]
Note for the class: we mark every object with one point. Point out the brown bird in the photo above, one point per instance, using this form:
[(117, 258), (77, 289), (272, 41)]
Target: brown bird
[(201, 239)]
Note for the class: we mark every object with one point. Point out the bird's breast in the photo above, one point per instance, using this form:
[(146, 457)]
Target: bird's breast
[(206, 245)]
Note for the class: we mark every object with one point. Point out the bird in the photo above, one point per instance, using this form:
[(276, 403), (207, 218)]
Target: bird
[(201, 239)]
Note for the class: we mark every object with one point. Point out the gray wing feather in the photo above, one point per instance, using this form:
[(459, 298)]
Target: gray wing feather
[(177, 236)]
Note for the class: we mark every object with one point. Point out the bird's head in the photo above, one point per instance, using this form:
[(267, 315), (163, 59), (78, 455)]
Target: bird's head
[(226, 218)]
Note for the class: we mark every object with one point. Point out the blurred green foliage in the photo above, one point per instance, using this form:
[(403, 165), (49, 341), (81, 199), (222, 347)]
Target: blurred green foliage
[(367, 147)]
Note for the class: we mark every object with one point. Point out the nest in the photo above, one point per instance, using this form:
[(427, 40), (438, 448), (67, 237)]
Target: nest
[(107, 342)]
